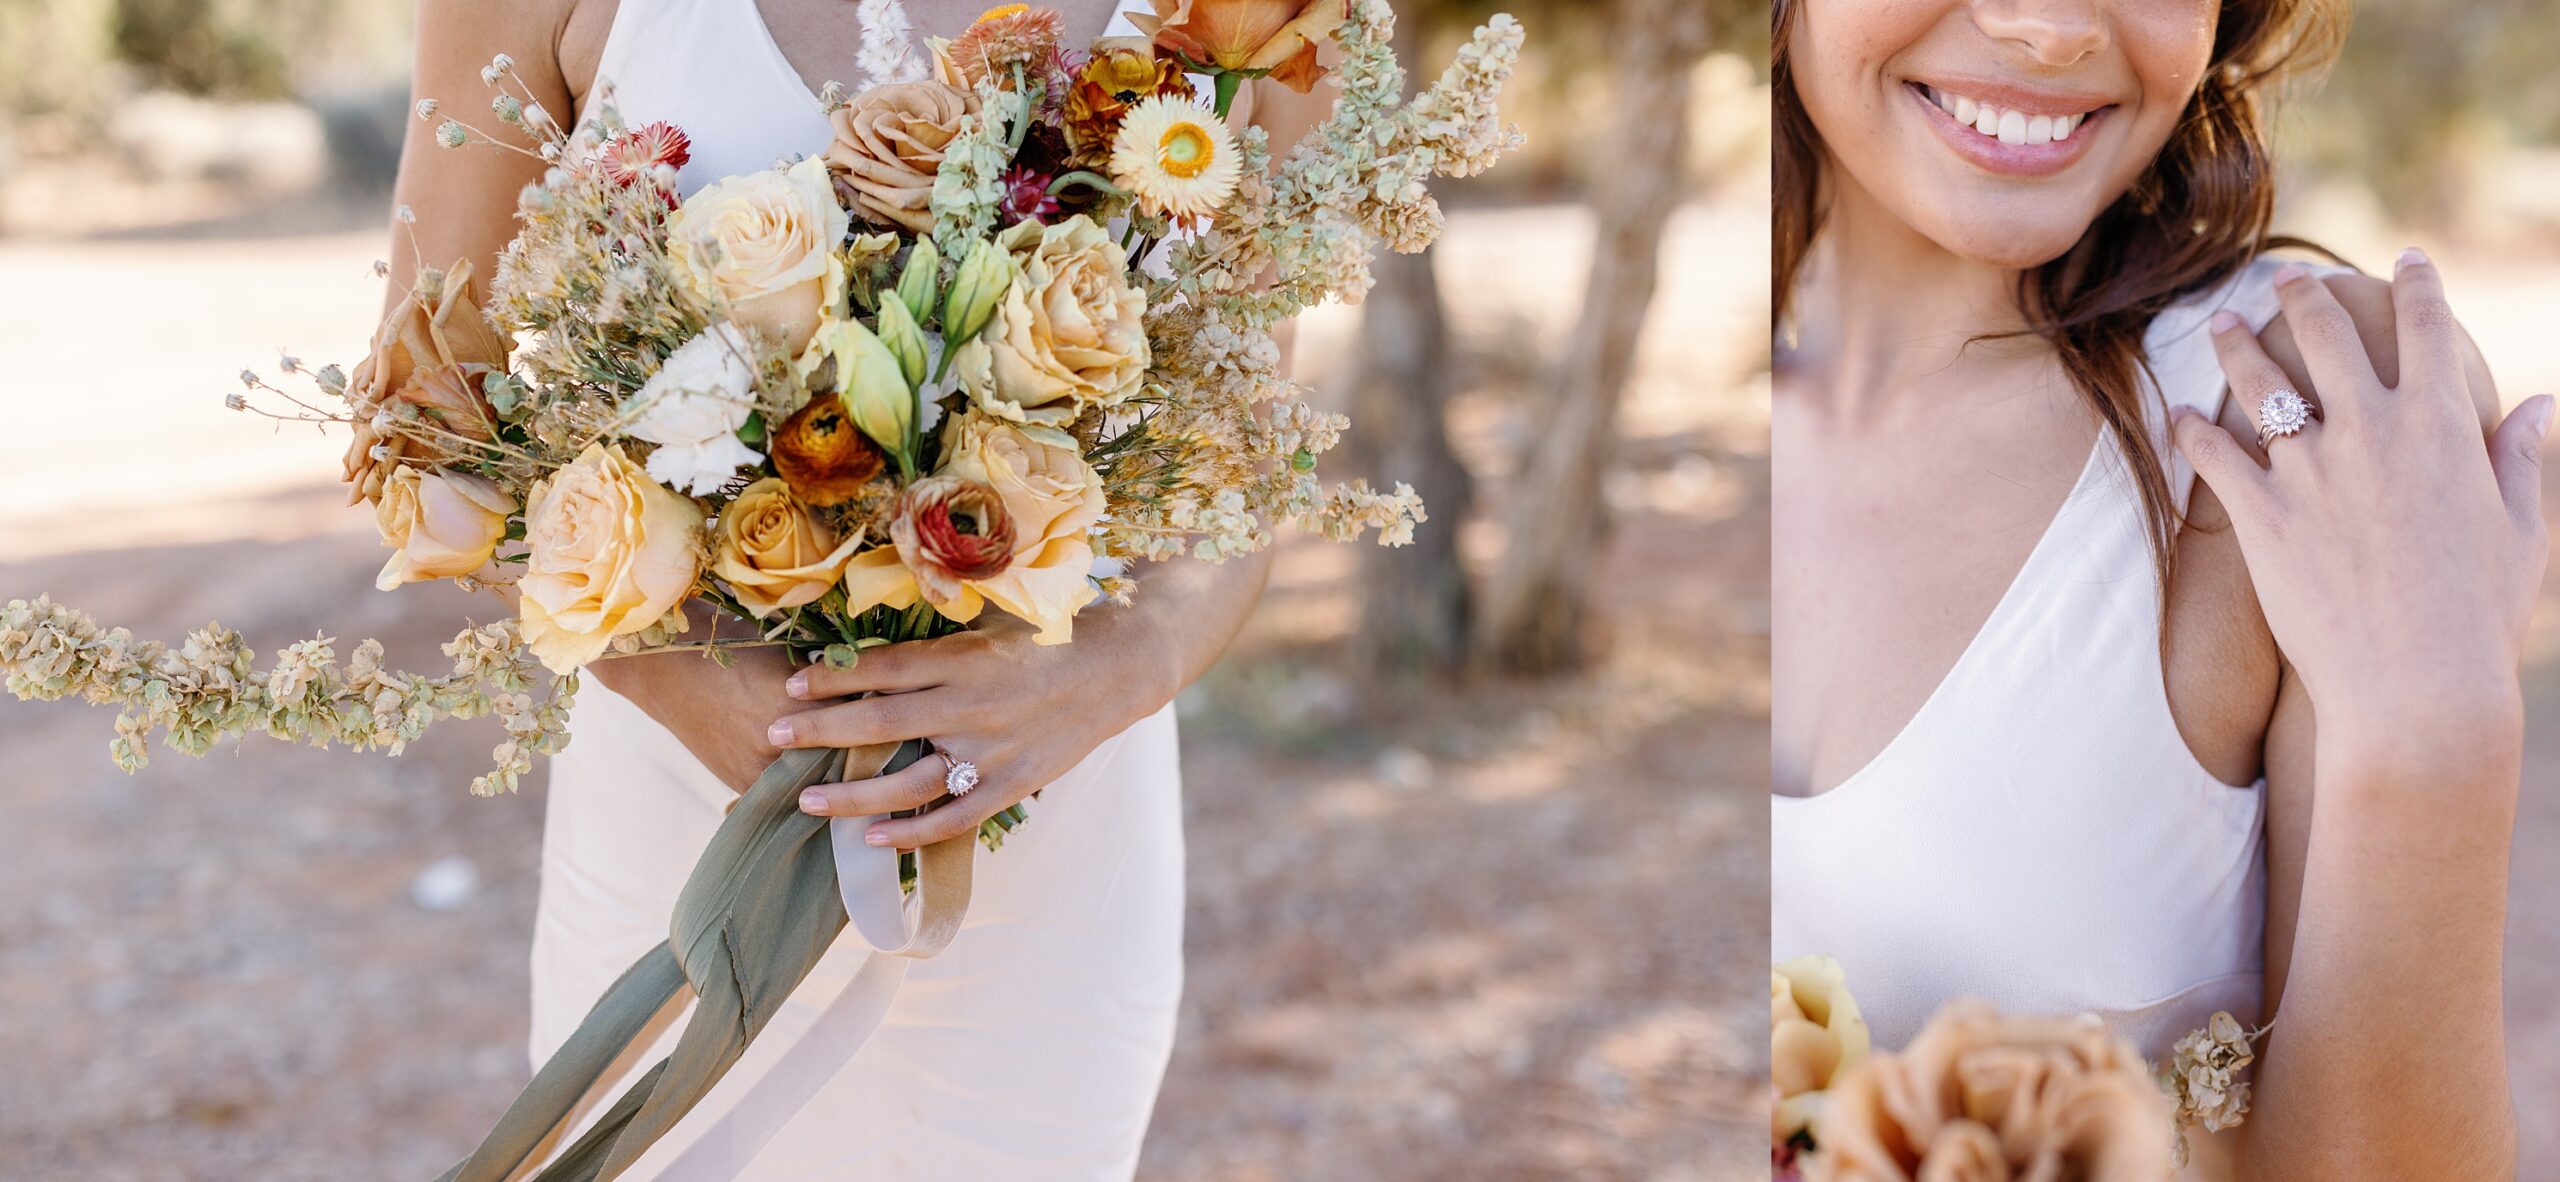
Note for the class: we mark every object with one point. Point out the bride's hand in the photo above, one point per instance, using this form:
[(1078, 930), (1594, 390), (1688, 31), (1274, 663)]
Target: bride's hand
[(2396, 560), (1023, 713), (717, 711)]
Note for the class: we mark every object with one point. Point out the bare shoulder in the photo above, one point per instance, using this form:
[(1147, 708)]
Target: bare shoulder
[(462, 35), (2367, 299)]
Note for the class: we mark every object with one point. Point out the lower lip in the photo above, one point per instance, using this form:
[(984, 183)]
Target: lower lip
[(1990, 155)]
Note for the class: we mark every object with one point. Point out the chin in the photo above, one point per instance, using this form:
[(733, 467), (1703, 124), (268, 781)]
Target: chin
[(1984, 233)]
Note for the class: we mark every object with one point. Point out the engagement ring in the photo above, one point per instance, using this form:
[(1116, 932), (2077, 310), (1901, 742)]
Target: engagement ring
[(2282, 413), (961, 775)]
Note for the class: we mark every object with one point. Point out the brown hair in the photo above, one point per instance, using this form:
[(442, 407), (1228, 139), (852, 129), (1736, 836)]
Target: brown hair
[(2194, 219)]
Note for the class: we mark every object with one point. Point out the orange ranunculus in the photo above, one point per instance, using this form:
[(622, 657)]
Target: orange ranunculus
[(1275, 35), (428, 356), (1123, 70), (823, 455)]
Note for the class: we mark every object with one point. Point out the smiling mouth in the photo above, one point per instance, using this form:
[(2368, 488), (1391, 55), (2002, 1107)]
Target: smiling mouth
[(2008, 126)]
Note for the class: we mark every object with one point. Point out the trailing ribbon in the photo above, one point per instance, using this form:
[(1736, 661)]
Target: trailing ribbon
[(761, 907)]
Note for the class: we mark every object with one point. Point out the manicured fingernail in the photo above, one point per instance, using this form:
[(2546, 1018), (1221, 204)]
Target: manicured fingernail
[(2224, 322), (813, 801), (779, 734), (2412, 257), (875, 837), (798, 686), (2290, 272)]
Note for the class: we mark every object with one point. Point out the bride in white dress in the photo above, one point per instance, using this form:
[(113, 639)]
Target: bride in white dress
[(1032, 1047), (2047, 640)]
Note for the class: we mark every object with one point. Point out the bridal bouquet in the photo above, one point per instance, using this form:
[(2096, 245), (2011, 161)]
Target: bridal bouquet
[(1981, 1096), (1003, 338)]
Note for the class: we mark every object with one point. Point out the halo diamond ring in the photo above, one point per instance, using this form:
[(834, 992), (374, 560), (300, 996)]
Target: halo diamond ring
[(2282, 413), (959, 775)]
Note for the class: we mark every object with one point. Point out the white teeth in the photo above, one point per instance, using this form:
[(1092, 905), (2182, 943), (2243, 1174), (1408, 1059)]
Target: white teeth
[(2009, 127)]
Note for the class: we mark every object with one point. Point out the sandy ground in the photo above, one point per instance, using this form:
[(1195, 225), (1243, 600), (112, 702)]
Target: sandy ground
[(1512, 932)]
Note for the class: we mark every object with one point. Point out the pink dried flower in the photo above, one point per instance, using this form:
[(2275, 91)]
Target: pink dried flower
[(635, 155), (1027, 197)]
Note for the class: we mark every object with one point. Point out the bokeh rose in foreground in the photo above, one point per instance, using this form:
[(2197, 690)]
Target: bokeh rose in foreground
[(1279, 36), (1983, 1097)]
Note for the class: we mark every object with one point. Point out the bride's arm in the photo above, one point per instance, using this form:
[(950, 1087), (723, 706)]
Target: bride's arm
[(464, 201), (2386, 901)]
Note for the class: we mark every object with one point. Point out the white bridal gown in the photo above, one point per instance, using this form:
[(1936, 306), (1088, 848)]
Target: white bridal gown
[(2038, 834), (1031, 1048)]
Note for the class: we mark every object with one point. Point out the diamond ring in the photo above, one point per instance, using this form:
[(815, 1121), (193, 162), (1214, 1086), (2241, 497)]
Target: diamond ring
[(959, 775), (2282, 413)]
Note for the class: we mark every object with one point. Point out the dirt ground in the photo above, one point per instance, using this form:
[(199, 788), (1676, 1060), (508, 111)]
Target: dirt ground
[(1543, 905)]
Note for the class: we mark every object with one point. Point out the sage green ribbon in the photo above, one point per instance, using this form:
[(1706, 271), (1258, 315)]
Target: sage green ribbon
[(761, 907)]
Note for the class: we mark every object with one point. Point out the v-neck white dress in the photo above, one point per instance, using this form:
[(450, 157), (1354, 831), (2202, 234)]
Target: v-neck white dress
[(2039, 835), (1030, 1048)]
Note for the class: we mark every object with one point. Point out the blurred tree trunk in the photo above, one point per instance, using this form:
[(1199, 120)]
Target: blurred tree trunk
[(1535, 605), (1414, 601)]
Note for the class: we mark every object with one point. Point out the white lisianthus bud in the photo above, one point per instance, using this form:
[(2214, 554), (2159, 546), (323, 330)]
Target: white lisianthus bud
[(920, 285), (904, 339), (980, 283), (870, 379)]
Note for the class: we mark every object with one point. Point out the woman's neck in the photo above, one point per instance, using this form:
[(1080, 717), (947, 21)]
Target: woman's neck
[(1904, 319)]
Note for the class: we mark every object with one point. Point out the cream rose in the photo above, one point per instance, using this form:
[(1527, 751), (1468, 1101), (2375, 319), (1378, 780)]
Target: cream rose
[(1070, 333), (1979, 1097), (889, 144), (612, 552), (774, 553), (763, 246), (444, 524), (1051, 498)]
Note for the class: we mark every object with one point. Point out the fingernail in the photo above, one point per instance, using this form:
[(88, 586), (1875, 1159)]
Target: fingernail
[(779, 734), (2412, 257), (798, 686), (2225, 321), (2541, 413), (813, 801), (2290, 272), (875, 837)]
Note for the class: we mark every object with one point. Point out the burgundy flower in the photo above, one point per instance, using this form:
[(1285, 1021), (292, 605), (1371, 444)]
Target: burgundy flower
[(950, 530), (1026, 197), (636, 154)]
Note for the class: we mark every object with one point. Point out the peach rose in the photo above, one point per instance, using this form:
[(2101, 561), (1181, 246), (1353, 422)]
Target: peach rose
[(889, 143), (1051, 500), (763, 246), (773, 552), (428, 356), (444, 524), (1275, 35), (1979, 1097), (1815, 1032), (612, 552), (1070, 333)]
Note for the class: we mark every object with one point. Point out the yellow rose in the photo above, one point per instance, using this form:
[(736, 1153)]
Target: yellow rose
[(444, 524), (1983, 1097), (1815, 1033), (612, 552), (1051, 500), (1070, 333), (774, 553), (763, 246)]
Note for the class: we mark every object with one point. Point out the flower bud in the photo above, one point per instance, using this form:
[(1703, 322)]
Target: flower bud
[(869, 379), (981, 283), (905, 339), (921, 284)]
